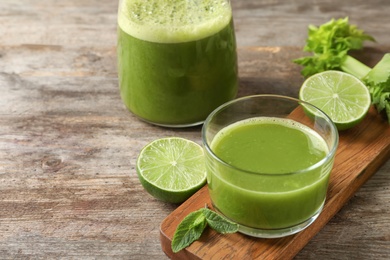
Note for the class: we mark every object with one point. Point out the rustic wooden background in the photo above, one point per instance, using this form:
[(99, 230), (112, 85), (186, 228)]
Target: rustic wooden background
[(68, 186)]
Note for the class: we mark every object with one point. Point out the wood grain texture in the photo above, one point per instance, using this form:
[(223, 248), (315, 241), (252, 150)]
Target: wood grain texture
[(68, 186), (361, 151)]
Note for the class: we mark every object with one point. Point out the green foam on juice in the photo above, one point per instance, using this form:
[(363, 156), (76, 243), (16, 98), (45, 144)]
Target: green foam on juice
[(173, 21)]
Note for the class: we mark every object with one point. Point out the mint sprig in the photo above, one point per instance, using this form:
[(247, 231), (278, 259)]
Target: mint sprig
[(192, 226)]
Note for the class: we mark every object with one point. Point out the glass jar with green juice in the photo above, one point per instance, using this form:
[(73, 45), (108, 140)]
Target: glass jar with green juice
[(177, 59)]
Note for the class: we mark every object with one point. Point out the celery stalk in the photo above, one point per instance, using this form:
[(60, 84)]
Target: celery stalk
[(330, 43)]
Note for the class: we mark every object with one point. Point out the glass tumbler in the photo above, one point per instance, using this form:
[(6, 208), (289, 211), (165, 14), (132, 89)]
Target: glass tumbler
[(268, 162)]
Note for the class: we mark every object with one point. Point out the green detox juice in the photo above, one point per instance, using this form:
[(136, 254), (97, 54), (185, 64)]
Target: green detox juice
[(272, 176), (176, 59)]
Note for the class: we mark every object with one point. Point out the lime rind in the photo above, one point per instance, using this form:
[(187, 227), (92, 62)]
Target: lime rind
[(171, 169), (343, 97)]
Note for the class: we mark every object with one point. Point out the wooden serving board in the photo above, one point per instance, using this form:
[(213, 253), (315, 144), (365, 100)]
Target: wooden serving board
[(361, 151)]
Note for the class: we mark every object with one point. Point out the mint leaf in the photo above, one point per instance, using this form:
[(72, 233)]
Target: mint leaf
[(189, 230), (192, 226), (219, 223)]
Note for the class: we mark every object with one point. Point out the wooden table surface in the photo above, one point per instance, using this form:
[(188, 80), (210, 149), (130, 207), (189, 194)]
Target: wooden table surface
[(68, 146)]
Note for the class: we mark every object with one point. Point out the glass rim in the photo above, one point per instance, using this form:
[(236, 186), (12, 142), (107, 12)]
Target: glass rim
[(331, 153)]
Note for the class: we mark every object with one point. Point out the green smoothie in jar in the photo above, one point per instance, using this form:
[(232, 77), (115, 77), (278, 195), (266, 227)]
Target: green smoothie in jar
[(177, 59)]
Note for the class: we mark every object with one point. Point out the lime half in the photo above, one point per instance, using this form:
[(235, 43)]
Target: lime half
[(343, 97), (171, 169)]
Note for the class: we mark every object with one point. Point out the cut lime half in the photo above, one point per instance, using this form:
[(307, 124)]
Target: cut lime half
[(343, 97), (171, 169)]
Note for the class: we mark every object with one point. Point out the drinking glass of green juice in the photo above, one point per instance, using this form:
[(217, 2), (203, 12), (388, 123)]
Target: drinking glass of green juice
[(177, 59), (268, 163)]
